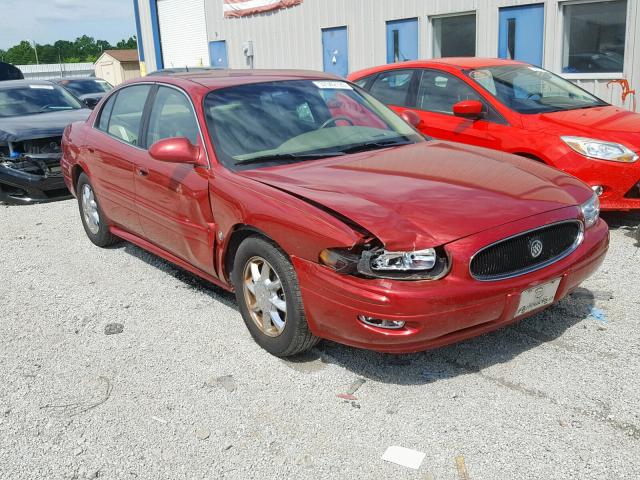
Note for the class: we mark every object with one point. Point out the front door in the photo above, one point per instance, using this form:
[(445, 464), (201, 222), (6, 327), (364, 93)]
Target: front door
[(218, 54), (402, 40), (335, 46), (521, 34), (173, 198)]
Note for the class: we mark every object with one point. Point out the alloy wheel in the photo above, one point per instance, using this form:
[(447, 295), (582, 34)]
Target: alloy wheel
[(264, 296), (90, 209)]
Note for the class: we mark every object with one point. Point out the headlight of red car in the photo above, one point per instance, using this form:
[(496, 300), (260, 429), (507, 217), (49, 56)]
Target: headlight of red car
[(591, 211), (427, 264), (614, 152)]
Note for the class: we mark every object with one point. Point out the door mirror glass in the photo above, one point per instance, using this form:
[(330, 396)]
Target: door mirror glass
[(471, 109), (412, 118), (175, 150)]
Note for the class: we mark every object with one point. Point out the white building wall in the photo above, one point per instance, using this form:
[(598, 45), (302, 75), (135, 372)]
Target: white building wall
[(292, 38)]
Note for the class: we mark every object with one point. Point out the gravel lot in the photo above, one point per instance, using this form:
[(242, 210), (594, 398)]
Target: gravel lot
[(183, 391)]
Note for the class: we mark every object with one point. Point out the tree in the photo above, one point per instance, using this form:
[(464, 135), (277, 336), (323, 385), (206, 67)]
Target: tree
[(82, 49)]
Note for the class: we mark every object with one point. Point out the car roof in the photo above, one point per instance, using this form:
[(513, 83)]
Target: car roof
[(229, 77), (23, 83), (472, 62)]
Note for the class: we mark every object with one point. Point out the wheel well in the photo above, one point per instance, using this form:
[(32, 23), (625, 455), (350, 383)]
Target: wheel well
[(75, 174), (530, 156), (238, 235)]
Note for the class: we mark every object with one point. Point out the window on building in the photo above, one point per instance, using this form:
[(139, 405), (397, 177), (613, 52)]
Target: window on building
[(126, 115), (392, 88), (594, 37), (439, 92), (171, 117), (454, 36)]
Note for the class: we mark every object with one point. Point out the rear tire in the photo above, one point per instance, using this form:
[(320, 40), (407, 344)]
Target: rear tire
[(93, 219), (269, 298)]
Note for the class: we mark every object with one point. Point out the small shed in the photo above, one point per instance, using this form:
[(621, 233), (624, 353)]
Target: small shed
[(117, 66)]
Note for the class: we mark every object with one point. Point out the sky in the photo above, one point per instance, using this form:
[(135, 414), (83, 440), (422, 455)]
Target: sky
[(45, 21)]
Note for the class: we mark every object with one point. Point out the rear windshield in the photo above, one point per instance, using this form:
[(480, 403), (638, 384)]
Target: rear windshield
[(298, 120), (84, 87), (528, 89), (36, 98)]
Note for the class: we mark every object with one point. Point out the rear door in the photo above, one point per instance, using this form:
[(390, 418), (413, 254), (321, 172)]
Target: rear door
[(173, 198), (113, 146), (335, 46)]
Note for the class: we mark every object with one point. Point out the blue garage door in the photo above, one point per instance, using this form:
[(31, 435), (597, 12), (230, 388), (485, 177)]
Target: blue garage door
[(402, 40), (218, 54), (335, 45), (522, 33)]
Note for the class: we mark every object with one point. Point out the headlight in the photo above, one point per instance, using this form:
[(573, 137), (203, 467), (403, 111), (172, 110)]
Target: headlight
[(590, 211), (613, 152), (430, 263)]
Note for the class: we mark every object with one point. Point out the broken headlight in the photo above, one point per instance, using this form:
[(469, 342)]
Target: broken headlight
[(427, 264)]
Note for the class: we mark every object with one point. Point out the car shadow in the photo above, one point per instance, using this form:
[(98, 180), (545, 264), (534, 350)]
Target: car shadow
[(462, 358), (417, 368), (629, 222)]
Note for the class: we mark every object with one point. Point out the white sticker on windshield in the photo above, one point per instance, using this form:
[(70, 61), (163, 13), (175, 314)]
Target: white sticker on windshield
[(335, 85), (42, 87)]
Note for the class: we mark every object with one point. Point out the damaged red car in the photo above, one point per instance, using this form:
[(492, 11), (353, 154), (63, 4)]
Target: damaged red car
[(327, 214)]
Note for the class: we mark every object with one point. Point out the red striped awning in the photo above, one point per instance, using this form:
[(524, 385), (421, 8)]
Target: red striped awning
[(242, 8)]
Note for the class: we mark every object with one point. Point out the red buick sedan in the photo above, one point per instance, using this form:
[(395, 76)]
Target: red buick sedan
[(327, 214), (521, 109)]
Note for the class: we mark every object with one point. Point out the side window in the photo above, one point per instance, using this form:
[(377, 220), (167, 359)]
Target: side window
[(126, 114), (392, 88), (363, 81), (105, 114), (171, 116), (439, 92)]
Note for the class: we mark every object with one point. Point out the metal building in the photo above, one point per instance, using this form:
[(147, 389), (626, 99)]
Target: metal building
[(590, 42)]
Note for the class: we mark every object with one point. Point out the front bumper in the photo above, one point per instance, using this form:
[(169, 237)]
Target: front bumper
[(439, 312), (620, 181), (22, 188)]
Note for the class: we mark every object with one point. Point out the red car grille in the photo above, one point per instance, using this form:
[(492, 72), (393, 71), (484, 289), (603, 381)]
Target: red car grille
[(526, 252)]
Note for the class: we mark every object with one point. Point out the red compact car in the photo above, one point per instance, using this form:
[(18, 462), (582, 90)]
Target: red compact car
[(521, 109), (327, 214)]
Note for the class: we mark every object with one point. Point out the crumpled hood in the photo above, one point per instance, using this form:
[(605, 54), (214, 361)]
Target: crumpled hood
[(41, 125), (428, 194), (602, 123)]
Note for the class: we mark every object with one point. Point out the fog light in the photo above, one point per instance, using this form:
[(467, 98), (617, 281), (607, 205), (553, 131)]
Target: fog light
[(377, 322), (598, 189)]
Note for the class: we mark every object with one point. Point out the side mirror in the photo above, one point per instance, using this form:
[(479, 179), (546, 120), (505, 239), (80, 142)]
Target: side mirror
[(175, 150), (90, 102), (471, 109), (412, 118)]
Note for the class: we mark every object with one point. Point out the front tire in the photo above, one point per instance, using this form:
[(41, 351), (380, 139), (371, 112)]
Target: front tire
[(269, 297), (93, 219)]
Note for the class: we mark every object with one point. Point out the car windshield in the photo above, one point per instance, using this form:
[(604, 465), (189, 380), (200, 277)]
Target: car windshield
[(273, 123), (84, 87), (528, 89), (35, 98)]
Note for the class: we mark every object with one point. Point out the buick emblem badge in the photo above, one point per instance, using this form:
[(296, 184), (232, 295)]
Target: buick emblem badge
[(535, 247)]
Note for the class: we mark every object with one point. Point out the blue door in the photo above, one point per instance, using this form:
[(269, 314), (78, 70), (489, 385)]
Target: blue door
[(335, 45), (218, 54), (402, 40), (522, 33)]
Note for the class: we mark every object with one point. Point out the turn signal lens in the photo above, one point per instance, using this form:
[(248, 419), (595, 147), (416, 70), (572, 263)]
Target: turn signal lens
[(591, 211), (376, 322)]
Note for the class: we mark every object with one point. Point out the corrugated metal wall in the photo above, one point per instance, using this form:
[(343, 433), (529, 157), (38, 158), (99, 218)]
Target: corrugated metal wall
[(292, 38), (48, 71)]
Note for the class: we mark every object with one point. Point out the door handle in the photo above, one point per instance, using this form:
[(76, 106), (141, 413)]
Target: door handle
[(142, 172)]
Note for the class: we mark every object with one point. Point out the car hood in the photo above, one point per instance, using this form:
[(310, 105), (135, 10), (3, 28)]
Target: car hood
[(92, 96), (603, 123), (41, 125), (427, 194)]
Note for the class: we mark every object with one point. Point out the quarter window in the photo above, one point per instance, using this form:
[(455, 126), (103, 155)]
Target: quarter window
[(454, 36), (171, 116), (105, 114), (126, 115), (594, 37), (439, 92), (393, 87)]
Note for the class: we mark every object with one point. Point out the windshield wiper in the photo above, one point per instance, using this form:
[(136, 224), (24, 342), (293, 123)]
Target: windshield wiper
[(374, 145), (288, 157)]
